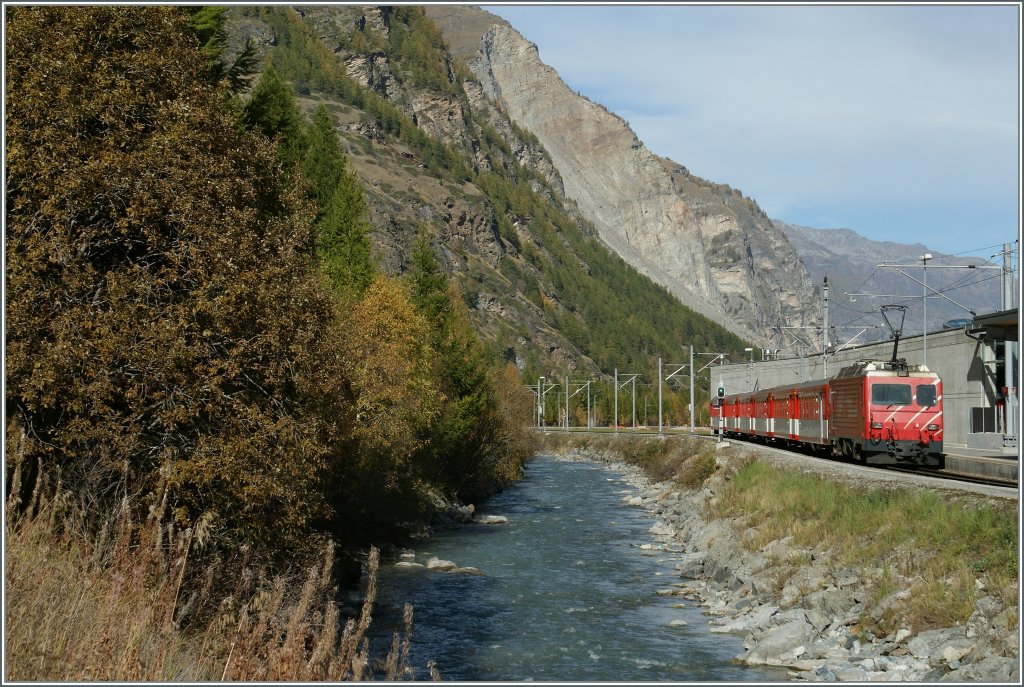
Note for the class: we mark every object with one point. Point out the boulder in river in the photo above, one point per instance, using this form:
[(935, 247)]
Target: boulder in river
[(408, 565), (440, 565), (491, 520), (468, 570)]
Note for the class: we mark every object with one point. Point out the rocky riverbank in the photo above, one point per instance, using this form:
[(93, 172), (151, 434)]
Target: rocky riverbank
[(798, 610)]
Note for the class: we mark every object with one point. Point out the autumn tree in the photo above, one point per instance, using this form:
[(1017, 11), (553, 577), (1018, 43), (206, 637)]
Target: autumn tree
[(166, 334), (391, 382)]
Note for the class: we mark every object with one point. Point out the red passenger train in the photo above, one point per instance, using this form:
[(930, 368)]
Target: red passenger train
[(880, 413)]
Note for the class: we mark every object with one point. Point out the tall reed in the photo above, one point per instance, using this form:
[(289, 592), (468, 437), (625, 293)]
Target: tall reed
[(134, 602)]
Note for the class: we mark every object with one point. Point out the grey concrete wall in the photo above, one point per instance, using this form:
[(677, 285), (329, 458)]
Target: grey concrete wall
[(967, 368)]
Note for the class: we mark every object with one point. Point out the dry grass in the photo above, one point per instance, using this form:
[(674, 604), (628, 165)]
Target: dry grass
[(112, 607)]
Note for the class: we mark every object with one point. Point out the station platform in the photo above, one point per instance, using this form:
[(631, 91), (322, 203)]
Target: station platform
[(982, 462)]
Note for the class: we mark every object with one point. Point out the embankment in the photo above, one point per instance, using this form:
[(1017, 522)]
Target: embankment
[(832, 579)]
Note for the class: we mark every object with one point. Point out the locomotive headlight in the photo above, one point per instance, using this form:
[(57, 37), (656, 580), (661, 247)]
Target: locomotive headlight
[(932, 428), (876, 425)]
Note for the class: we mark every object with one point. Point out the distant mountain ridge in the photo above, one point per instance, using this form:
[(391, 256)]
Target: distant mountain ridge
[(850, 261)]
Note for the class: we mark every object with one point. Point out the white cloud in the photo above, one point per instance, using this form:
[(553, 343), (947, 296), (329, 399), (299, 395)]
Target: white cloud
[(810, 106)]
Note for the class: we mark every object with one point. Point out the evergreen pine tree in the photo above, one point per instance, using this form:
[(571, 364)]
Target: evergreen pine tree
[(463, 434), (324, 162), (430, 284), (272, 110), (343, 241)]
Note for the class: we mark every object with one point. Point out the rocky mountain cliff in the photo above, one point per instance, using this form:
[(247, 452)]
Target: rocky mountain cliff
[(708, 244), (437, 156), (851, 261)]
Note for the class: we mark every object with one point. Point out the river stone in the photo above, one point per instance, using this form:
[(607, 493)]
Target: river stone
[(831, 648), (757, 619), (408, 565), (830, 601), (818, 619), (440, 565), (1006, 619), (990, 669), (678, 623), (930, 642), (956, 649), (850, 674), (792, 615), (468, 570), (691, 565), (491, 520), (776, 643)]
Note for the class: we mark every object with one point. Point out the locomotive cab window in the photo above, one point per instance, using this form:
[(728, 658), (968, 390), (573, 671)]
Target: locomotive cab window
[(926, 397), (891, 394)]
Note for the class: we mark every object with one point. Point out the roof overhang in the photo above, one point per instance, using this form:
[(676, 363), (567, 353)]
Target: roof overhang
[(998, 326)]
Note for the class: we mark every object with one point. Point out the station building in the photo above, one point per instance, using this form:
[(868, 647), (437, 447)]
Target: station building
[(979, 409)]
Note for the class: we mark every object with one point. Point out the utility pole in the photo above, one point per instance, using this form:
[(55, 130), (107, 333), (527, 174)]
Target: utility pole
[(540, 401), (660, 429), (616, 419), (1009, 348), (693, 408), (679, 367), (634, 403), (924, 297), (590, 424), (750, 368), (567, 403), (824, 330)]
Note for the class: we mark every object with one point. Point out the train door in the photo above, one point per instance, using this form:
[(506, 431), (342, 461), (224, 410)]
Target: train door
[(794, 416), (822, 422)]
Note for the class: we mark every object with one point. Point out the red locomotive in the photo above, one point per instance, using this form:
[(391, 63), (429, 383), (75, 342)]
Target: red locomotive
[(880, 413)]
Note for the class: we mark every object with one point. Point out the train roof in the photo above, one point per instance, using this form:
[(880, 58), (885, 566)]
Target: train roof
[(861, 368), (900, 368)]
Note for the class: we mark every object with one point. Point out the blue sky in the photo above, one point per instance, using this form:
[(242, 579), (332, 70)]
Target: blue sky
[(899, 122)]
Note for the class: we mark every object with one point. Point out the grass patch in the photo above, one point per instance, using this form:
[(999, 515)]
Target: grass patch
[(940, 545)]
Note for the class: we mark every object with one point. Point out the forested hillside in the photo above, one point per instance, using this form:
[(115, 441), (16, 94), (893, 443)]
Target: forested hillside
[(208, 376), (437, 158)]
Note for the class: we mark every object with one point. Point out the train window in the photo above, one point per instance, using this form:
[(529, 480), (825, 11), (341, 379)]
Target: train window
[(891, 394), (926, 395)]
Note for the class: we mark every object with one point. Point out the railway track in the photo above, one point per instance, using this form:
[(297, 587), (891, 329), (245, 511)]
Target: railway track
[(955, 476), (931, 473), (938, 475)]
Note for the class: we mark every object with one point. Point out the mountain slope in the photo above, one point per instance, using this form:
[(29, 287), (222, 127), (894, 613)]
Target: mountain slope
[(436, 156), (705, 242)]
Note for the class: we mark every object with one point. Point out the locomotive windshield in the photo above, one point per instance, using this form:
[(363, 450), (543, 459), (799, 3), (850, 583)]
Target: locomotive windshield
[(926, 395), (891, 394)]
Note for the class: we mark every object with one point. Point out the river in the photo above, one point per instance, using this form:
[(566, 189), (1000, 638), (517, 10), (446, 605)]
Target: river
[(570, 592)]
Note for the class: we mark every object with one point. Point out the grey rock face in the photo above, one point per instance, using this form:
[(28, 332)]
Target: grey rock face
[(705, 242)]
